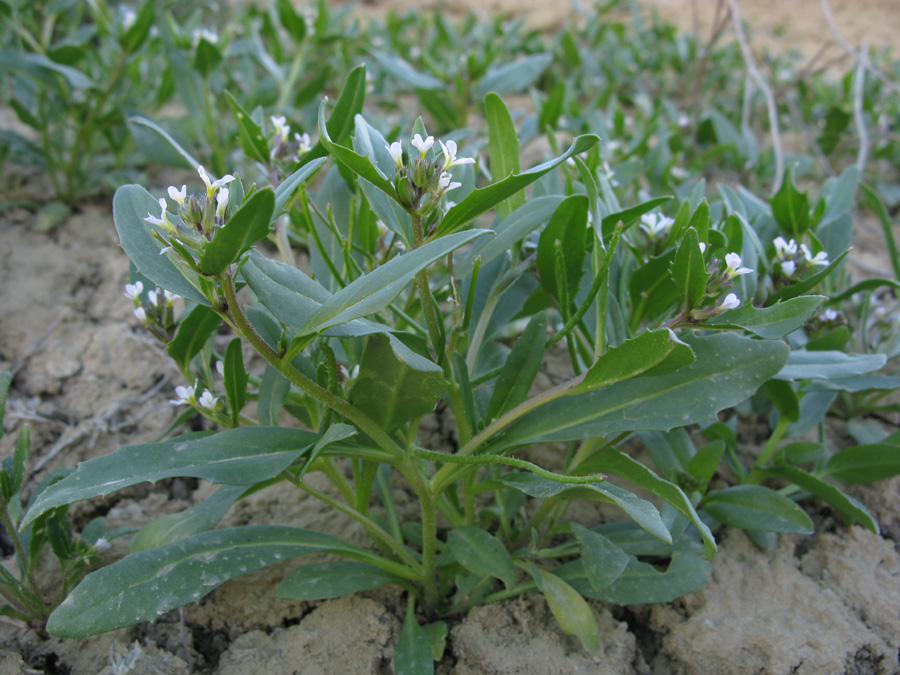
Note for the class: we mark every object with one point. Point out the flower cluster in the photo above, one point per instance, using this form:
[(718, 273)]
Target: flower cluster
[(157, 313), (283, 147), (655, 225), (792, 260), (188, 396), (422, 182)]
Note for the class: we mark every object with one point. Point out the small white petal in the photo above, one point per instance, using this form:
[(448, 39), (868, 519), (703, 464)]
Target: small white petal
[(140, 314), (101, 544), (788, 267), (220, 368), (221, 203), (207, 400), (731, 301), (178, 195), (133, 291)]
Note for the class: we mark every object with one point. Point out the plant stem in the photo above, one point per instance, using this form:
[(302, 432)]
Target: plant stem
[(22, 554), (427, 499)]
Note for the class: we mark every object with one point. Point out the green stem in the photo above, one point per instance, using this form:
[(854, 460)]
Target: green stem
[(22, 554), (330, 469), (755, 477), (509, 461), (410, 471)]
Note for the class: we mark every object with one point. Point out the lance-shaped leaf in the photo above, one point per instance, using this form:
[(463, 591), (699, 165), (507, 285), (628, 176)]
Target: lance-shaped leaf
[(373, 292), (483, 199), (193, 332), (791, 208), (236, 378), (395, 384), (403, 71), (143, 586), (850, 509), (250, 134), (754, 507), (864, 463), (188, 158), (503, 148), (571, 610), (245, 227), (334, 579), (286, 189), (515, 76), (131, 204), (729, 369), (482, 554), (603, 561), (340, 124), (565, 231), (236, 457), (652, 353), (630, 469), (334, 434), (412, 654), (521, 367), (689, 270), (772, 322), (828, 365)]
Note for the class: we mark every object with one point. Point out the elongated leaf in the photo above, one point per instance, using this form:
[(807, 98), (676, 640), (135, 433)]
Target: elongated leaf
[(289, 186), (864, 463), (565, 231), (388, 211), (791, 208), (641, 582), (775, 321), (482, 554), (5, 380), (826, 365), (602, 560), (651, 353), (395, 384), (236, 378), (876, 205), (641, 511), (571, 610), (131, 204), (16, 59), (689, 269), (413, 656), (850, 509), (373, 292), (483, 199), (244, 228), (250, 134), (340, 124), (868, 382), (515, 76), (236, 457), (334, 434), (630, 469), (503, 149), (199, 518), (403, 71), (193, 332), (521, 367), (150, 124), (753, 507), (729, 369), (272, 390), (332, 580), (145, 585)]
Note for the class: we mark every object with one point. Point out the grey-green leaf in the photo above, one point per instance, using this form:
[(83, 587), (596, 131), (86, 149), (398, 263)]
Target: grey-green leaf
[(754, 507), (482, 553), (773, 322), (332, 580), (864, 463), (571, 610), (413, 656), (653, 352), (826, 365), (603, 561), (521, 367)]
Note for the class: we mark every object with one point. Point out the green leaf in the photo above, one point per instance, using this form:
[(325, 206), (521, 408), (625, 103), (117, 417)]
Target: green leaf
[(631, 470), (437, 638), (572, 612), (145, 585), (412, 655), (602, 560), (753, 507), (136, 35), (131, 204), (403, 71), (503, 149), (703, 465), (828, 365), (334, 434), (244, 228), (235, 456), (334, 579), (521, 367), (791, 208), (482, 554), (641, 582), (292, 22), (807, 283), (628, 216), (150, 124), (864, 463), (198, 518), (206, 57), (850, 509), (565, 231), (876, 205), (250, 134), (515, 76), (236, 378), (18, 60), (193, 332), (5, 381), (689, 269), (289, 186), (373, 292), (640, 510), (340, 124), (272, 390), (775, 321), (395, 384), (729, 368), (857, 383), (652, 353), (483, 199)]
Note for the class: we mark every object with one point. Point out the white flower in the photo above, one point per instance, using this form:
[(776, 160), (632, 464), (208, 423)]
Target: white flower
[(212, 187), (170, 296), (829, 315), (396, 150), (178, 195), (186, 395), (702, 247), (282, 130), (140, 314), (821, 258), (163, 221), (654, 224), (422, 146), (207, 400), (444, 184), (204, 34), (101, 544), (133, 291), (788, 267), (129, 16), (304, 143), (733, 269), (221, 203), (731, 301), (450, 158), (153, 297), (784, 249), (220, 368)]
